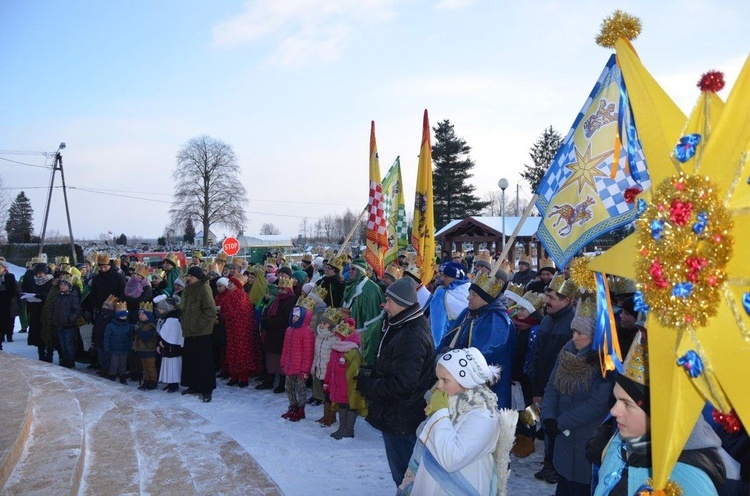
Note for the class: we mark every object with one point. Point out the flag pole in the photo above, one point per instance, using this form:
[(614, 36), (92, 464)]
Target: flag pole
[(354, 227), (513, 236)]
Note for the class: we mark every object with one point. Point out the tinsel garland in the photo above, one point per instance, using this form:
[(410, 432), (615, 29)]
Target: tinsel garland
[(671, 489), (730, 422), (619, 25), (581, 275), (685, 242), (712, 81)]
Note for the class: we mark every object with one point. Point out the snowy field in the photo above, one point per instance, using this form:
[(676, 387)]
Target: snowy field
[(300, 457)]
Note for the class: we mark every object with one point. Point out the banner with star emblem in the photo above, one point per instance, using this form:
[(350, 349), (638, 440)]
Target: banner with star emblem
[(582, 195), (395, 212)]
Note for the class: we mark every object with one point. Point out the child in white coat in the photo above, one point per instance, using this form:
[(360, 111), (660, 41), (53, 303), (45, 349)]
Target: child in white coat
[(465, 438)]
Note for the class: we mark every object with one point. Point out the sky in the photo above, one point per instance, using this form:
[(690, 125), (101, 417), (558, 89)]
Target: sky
[(293, 85)]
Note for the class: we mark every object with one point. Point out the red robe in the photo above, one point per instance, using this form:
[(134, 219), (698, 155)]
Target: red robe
[(244, 353)]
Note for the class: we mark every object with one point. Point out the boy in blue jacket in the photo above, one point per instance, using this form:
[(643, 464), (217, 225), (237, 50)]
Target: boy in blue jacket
[(118, 341)]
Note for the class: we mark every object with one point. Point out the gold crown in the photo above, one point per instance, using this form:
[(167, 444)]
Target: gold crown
[(197, 254), (212, 267), (121, 306), (238, 261), (345, 329), (285, 282), (307, 257), (337, 262), (307, 303), (531, 301), (514, 291), (158, 273), (525, 259), (64, 261), (146, 306), (504, 267), (320, 292), (142, 270), (621, 285), (489, 285), (221, 258), (414, 270), (484, 259), (565, 287), (394, 271), (586, 308), (636, 363), (102, 258), (172, 258), (548, 263), (332, 315), (111, 300)]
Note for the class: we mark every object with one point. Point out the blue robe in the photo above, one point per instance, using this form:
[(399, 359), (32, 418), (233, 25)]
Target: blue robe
[(490, 330)]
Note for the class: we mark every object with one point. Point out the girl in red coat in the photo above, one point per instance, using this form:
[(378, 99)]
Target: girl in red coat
[(297, 357), (340, 383), (243, 356)]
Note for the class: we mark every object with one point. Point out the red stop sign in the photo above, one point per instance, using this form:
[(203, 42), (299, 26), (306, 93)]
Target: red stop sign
[(231, 246)]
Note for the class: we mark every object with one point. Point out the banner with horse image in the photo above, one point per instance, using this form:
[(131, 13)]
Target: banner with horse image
[(584, 193)]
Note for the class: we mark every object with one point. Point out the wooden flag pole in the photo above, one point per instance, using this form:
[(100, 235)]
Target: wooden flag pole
[(513, 236), (354, 228)]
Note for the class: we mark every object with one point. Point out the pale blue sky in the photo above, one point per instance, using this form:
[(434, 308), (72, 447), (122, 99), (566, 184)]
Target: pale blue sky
[(293, 85)]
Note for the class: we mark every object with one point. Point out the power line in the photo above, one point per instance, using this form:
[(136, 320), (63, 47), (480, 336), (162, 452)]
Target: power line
[(16, 162)]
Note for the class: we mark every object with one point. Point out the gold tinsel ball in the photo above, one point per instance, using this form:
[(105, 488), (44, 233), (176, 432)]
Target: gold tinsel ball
[(618, 25), (581, 275)]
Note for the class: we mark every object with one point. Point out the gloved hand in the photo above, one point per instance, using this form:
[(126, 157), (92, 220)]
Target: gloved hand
[(595, 446), (550, 427), (438, 400)]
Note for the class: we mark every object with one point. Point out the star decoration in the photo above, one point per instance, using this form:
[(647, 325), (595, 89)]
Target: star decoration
[(723, 343), (585, 169)]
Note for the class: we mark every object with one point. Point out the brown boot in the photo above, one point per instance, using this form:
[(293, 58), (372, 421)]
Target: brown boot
[(331, 418), (326, 413), (523, 447)]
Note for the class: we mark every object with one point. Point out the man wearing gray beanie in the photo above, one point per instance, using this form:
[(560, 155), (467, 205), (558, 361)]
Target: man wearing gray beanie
[(403, 372)]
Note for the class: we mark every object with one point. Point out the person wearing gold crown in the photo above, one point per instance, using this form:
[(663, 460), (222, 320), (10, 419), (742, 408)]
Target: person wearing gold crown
[(547, 271), (332, 281), (145, 340), (106, 282), (297, 357), (65, 313), (274, 323), (364, 299), (626, 458), (449, 299), (197, 319), (485, 325), (243, 348), (576, 400), (171, 267), (525, 273)]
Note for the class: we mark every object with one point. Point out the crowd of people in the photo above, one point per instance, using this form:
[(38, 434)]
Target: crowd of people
[(435, 368)]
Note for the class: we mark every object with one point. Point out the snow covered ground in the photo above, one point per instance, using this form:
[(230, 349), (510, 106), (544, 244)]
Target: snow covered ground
[(300, 457)]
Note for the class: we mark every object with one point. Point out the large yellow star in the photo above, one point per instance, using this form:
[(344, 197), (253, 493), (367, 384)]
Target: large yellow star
[(585, 169), (725, 158)]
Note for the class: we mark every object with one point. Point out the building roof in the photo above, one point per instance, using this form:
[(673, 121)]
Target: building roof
[(490, 226)]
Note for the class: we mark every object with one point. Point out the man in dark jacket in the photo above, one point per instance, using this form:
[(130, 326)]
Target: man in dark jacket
[(403, 372), (107, 281), (8, 293), (554, 333)]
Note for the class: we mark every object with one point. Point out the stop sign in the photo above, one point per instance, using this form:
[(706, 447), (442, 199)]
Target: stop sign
[(231, 246)]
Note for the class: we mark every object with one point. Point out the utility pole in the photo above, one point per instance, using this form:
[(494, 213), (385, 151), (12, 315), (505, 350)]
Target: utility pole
[(518, 189), (57, 165)]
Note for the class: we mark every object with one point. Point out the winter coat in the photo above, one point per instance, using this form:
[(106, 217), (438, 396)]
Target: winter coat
[(136, 291), (198, 310), (118, 337), (299, 346), (104, 284), (404, 370), (323, 341), (170, 276), (341, 372), (146, 339), (578, 408), (274, 326), (554, 332), (8, 292), (170, 335), (66, 310), (335, 287), (100, 324)]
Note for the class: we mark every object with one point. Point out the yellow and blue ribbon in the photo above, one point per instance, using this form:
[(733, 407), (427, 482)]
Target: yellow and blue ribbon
[(605, 336)]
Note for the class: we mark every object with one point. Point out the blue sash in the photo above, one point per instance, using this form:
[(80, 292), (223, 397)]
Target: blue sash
[(450, 482)]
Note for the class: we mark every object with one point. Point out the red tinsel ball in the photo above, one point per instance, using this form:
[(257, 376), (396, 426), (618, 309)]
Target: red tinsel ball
[(730, 422), (712, 81), (631, 193)]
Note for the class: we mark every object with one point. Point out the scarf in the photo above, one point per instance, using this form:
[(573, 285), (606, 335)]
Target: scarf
[(134, 288), (477, 397), (258, 289), (284, 294), (574, 373)]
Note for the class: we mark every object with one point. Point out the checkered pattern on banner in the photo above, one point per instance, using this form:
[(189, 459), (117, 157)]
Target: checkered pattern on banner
[(376, 225)]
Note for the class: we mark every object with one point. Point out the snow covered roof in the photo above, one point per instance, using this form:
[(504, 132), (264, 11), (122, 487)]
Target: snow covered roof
[(264, 240), (494, 225)]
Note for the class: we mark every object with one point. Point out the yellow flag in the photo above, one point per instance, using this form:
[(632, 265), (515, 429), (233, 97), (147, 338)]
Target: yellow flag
[(377, 235), (423, 231)]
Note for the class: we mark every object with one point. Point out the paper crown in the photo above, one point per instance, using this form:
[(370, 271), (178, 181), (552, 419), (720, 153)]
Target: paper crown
[(307, 257), (142, 270), (102, 258), (505, 268), (621, 285), (525, 259), (337, 262), (414, 270), (531, 301), (345, 328), (238, 261), (565, 287), (221, 258), (285, 282), (172, 258), (636, 362), (121, 306), (64, 261), (332, 316), (394, 271), (548, 264), (146, 306), (483, 259), (489, 285), (110, 301), (197, 254), (307, 303), (514, 291), (586, 307), (320, 292), (158, 273)]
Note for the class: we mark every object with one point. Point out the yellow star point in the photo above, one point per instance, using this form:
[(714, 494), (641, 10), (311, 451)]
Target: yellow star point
[(585, 169)]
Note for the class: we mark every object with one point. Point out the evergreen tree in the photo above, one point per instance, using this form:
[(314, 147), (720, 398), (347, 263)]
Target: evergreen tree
[(453, 195), (122, 240), (189, 236), (20, 220), (542, 152)]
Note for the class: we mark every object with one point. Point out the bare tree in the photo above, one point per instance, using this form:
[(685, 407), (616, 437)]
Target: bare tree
[(329, 227), (494, 208), (208, 186), (269, 228)]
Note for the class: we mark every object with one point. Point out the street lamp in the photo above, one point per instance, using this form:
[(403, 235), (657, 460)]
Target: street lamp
[(57, 166), (503, 185)]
